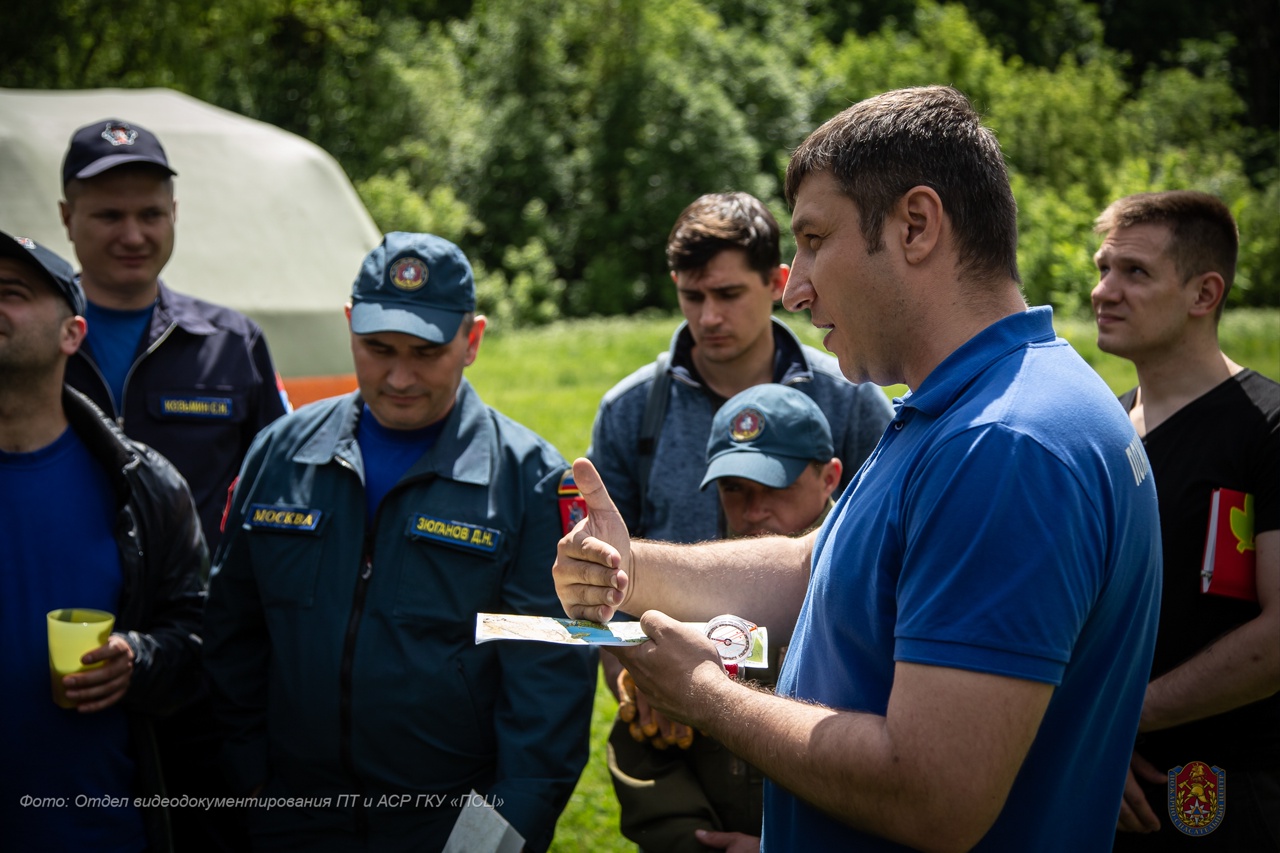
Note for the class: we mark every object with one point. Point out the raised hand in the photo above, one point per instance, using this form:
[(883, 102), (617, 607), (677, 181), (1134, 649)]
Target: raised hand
[(593, 561)]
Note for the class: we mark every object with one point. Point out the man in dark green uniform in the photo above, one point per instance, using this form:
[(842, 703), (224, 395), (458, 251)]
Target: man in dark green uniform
[(365, 534)]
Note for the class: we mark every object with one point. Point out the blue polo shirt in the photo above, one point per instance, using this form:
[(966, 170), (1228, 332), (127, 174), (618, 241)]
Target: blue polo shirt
[(1007, 524)]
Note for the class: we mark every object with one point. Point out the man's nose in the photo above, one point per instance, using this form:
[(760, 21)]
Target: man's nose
[(798, 293), (757, 507), (711, 314), (1103, 291), (131, 232), (400, 374)]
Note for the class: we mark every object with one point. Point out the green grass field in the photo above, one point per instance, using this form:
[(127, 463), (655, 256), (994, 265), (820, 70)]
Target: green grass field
[(551, 379)]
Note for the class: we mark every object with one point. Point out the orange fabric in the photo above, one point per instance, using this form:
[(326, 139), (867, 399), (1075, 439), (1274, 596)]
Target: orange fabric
[(308, 389)]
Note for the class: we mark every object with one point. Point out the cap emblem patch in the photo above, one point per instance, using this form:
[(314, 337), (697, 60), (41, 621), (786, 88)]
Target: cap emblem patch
[(26, 243), (746, 425), (408, 273), (119, 134)]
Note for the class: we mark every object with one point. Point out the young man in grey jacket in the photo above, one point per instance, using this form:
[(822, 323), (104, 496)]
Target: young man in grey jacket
[(725, 260)]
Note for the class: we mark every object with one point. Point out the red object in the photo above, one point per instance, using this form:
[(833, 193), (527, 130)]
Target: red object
[(572, 510), (1230, 558), (226, 509)]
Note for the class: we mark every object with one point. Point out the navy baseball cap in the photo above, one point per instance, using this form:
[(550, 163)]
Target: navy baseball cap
[(768, 433), (57, 271), (105, 144), (418, 284)]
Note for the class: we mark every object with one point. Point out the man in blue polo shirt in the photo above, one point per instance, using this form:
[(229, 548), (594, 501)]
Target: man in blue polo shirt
[(975, 620)]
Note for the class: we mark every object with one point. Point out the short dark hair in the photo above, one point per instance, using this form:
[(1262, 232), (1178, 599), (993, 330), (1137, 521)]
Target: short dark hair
[(880, 148), (1203, 234), (717, 222)]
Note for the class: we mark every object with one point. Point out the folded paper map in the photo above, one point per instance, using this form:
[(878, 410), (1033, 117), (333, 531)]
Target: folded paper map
[(582, 632)]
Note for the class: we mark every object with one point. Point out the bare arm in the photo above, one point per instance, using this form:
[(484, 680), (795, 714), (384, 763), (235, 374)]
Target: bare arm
[(1240, 667), (599, 570), (933, 773)]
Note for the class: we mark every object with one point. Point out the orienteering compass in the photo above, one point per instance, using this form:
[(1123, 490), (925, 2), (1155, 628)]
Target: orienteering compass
[(732, 637)]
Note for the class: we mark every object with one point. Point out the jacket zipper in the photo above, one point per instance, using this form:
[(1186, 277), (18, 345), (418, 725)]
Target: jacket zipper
[(346, 724), (117, 406), (124, 389)]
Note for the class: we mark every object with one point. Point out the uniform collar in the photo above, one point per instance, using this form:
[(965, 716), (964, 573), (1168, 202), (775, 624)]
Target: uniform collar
[(178, 309), (946, 382), (463, 452)]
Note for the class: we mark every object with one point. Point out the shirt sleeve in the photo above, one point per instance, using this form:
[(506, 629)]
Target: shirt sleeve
[(1005, 555)]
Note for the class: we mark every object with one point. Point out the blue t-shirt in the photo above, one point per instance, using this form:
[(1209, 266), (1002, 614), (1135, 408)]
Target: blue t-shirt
[(114, 337), (388, 453), (58, 549), (1006, 524)]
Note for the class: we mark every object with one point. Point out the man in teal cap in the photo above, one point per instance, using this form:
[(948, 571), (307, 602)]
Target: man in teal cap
[(770, 455), (365, 534)]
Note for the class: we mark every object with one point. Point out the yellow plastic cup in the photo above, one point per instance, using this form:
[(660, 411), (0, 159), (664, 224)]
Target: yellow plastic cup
[(72, 632)]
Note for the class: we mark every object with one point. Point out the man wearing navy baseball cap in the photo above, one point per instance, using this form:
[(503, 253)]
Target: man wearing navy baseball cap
[(192, 379), (367, 531), (76, 500)]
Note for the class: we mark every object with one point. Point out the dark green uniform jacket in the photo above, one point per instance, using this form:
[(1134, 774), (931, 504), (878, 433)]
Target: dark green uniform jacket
[(344, 657)]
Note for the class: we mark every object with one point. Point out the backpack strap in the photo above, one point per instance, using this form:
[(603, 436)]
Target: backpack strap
[(655, 410)]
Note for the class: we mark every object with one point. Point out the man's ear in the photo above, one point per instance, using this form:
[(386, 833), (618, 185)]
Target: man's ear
[(831, 476), (917, 223), (778, 280), (1209, 289), (474, 336), (73, 331)]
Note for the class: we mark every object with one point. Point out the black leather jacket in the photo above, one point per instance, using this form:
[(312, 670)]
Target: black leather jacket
[(166, 567)]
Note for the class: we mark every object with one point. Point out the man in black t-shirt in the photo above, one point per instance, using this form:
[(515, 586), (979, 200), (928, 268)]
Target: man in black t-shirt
[(1211, 429)]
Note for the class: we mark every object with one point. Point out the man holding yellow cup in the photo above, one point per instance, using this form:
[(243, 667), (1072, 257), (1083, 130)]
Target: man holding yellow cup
[(91, 519), (80, 641)]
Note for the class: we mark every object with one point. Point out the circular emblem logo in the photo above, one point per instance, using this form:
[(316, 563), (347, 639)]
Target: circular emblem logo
[(746, 425), (408, 273), (119, 134)]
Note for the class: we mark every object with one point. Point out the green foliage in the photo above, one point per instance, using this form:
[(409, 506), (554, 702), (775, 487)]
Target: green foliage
[(557, 140), (1075, 136), (395, 205)]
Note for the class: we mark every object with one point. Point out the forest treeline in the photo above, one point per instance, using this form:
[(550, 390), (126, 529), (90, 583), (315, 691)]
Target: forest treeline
[(556, 140)]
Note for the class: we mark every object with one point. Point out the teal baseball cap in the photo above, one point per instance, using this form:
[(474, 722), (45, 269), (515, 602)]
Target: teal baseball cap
[(418, 284), (769, 434)]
